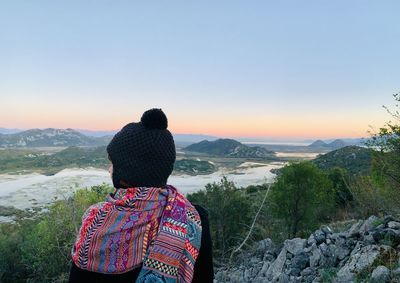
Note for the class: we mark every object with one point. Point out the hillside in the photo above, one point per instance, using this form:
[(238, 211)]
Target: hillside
[(229, 148), (51, 163), (49, 138), (194, 167), (318, 143), (356, 160)]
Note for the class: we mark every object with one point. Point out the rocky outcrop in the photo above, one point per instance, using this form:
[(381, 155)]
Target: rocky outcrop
[(367, 251)]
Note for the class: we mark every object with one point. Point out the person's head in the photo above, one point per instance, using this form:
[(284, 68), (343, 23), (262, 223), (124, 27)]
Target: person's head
[(143, 153)]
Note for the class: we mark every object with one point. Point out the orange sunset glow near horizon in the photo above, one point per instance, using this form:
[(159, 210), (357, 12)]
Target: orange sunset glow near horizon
[(246, 124)]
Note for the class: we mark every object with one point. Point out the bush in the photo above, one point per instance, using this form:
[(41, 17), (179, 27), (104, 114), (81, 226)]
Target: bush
[(229, 214), (302, 197), (38, 250)]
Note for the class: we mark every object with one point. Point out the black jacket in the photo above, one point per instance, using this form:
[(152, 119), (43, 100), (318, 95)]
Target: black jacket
[(203, 268)]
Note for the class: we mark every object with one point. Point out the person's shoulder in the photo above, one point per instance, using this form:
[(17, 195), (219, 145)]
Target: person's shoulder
[(201, 210), (94, 208)]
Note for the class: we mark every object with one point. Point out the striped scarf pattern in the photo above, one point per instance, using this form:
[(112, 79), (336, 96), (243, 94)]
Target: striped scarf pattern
[(157, 228)]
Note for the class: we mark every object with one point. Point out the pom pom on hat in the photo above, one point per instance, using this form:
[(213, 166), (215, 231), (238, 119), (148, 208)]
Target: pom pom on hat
[(154, 119)]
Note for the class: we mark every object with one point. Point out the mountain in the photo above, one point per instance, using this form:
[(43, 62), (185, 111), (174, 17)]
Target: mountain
[(9, 131), (336, 144), (48, 138), (356, 160), (229, 148), (318, 144), (92, 133), (192, 138)]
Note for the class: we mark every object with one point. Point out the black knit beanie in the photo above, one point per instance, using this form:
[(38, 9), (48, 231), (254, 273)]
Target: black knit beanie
[(143, 153)]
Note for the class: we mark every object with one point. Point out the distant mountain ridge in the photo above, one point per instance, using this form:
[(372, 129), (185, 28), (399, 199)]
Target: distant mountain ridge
[(335, 144), (52, 137), (49, 138), (229, 148)]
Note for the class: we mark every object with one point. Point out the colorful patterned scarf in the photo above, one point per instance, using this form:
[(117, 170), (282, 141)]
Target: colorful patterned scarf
[(157, 228)]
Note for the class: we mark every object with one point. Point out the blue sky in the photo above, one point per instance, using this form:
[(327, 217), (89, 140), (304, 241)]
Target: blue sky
[(228, 68)]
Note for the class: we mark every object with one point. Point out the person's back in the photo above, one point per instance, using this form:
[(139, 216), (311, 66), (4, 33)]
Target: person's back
[(146, 231)]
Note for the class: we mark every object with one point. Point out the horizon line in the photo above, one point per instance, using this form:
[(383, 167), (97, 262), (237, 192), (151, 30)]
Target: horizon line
[(250, 138)]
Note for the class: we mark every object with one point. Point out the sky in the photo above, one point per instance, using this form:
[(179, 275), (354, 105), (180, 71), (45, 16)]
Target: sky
[(273, 69)]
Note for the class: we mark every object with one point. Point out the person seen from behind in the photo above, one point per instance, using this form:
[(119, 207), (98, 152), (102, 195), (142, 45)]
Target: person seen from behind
[(146, 230)]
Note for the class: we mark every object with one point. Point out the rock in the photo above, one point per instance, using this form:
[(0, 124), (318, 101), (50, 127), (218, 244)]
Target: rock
[(319, 236), (368, 224), (394, 225), (311, 240), (388, 218), (315, 256), (341, 248), (327, 230), (381, 274), (294, 271), (276, 267), (324, 249), (281, 278), (329, 257), (264, 269), (360, 258), (263, 246), (300, 261), (354, 230), (295, 246), (386, 236)]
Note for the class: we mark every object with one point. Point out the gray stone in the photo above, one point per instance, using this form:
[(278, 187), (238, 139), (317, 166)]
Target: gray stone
[(386, 236), (329, 257), (319, 236), (294, 271), (236, 276), (369, 224), (308, 271), (369, 239), (324, 249), (276, 267), (342, 247), (263, 246), (264, 269), (311, 240), (247, 275), (315, 256), (360, 258), (394, 225), (354, 230), (295, 246), (381, 274), (327, 230), (300, 261), (281, 278), (259, 280), (389, 218), (268, 257), (345, 278)]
